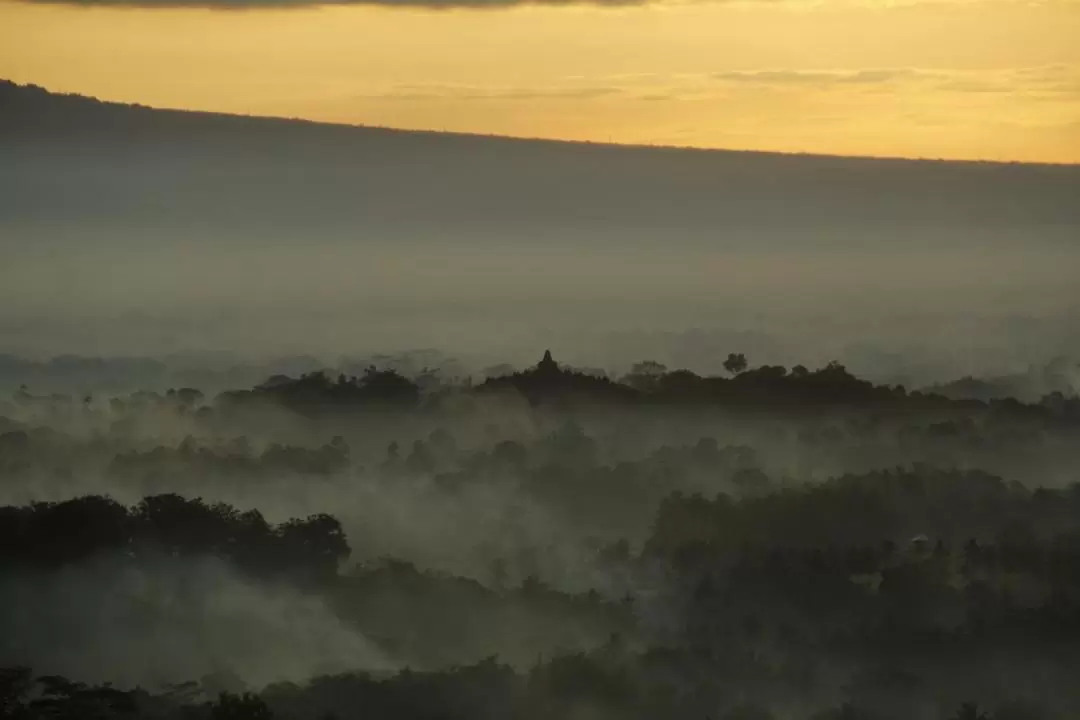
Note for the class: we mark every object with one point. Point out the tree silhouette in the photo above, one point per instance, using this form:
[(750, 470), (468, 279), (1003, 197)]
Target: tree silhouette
[(15, 687), (970, 711), (230, 706), (645, 375), (735, 363)]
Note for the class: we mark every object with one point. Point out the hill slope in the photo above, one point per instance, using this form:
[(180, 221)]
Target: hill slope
[(206, 231), (105, 161)]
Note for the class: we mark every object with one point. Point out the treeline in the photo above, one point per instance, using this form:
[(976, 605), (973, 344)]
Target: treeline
[(857, 559), (648, 384), (603, 684), (45, 536), (701, 578), (606, 485), (236, 459), (768, 386), (873, 596), (896, 504), (436, 620), (317, 391)]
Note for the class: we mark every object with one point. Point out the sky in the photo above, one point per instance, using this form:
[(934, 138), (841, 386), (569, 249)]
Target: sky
[(969, 79)]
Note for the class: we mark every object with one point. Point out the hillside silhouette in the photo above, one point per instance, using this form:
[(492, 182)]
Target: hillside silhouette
[(135, 161), (266, 236)]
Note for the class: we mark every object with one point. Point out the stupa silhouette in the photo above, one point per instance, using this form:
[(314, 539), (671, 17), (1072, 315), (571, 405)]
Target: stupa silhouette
[(547, 366)]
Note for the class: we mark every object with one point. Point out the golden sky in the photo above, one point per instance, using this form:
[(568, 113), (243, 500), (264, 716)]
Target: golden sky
[(986, 79)]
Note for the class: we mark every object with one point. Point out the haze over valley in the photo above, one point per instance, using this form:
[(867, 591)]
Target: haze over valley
[(309, 421)]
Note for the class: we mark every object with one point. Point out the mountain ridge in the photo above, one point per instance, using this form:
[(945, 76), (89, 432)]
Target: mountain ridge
[(11, 90), (83, 164), (167, 230)]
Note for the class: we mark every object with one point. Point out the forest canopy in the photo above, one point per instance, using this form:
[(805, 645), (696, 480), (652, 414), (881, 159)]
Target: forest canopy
[(549, 542)]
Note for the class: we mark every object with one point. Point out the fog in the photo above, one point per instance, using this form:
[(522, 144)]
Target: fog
[(554, 521), (129, 231), (175, 620), (303, 421)]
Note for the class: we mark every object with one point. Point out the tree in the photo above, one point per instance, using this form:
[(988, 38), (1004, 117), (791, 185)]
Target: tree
[(645, 375), (970, 711), (62, 699), (189, 397), (735, 363), (316, 545), (15, 686), (388, 386), (1020, 710), (240, 707), (847, 711), (748, 712)]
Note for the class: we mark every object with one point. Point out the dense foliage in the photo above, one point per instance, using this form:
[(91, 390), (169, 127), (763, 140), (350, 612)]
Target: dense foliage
[(554, 544)]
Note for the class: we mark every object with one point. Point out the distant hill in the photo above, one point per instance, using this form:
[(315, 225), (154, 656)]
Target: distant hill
[(73, 159), (127, 230)]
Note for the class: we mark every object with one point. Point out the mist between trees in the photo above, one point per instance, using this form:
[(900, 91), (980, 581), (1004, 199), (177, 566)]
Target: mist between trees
[(545, 543)]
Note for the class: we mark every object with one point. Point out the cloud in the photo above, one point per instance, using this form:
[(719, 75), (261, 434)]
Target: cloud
[(478, 92), (405, 4), (461, 4), (1057, 80), (820, 77), (171, 621), (1051, 82)]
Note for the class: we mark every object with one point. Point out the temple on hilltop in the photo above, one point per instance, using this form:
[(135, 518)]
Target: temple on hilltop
[(547, 366), (547, 382)]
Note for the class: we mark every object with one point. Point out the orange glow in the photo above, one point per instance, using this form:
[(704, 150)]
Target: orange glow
[(983, 79)]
